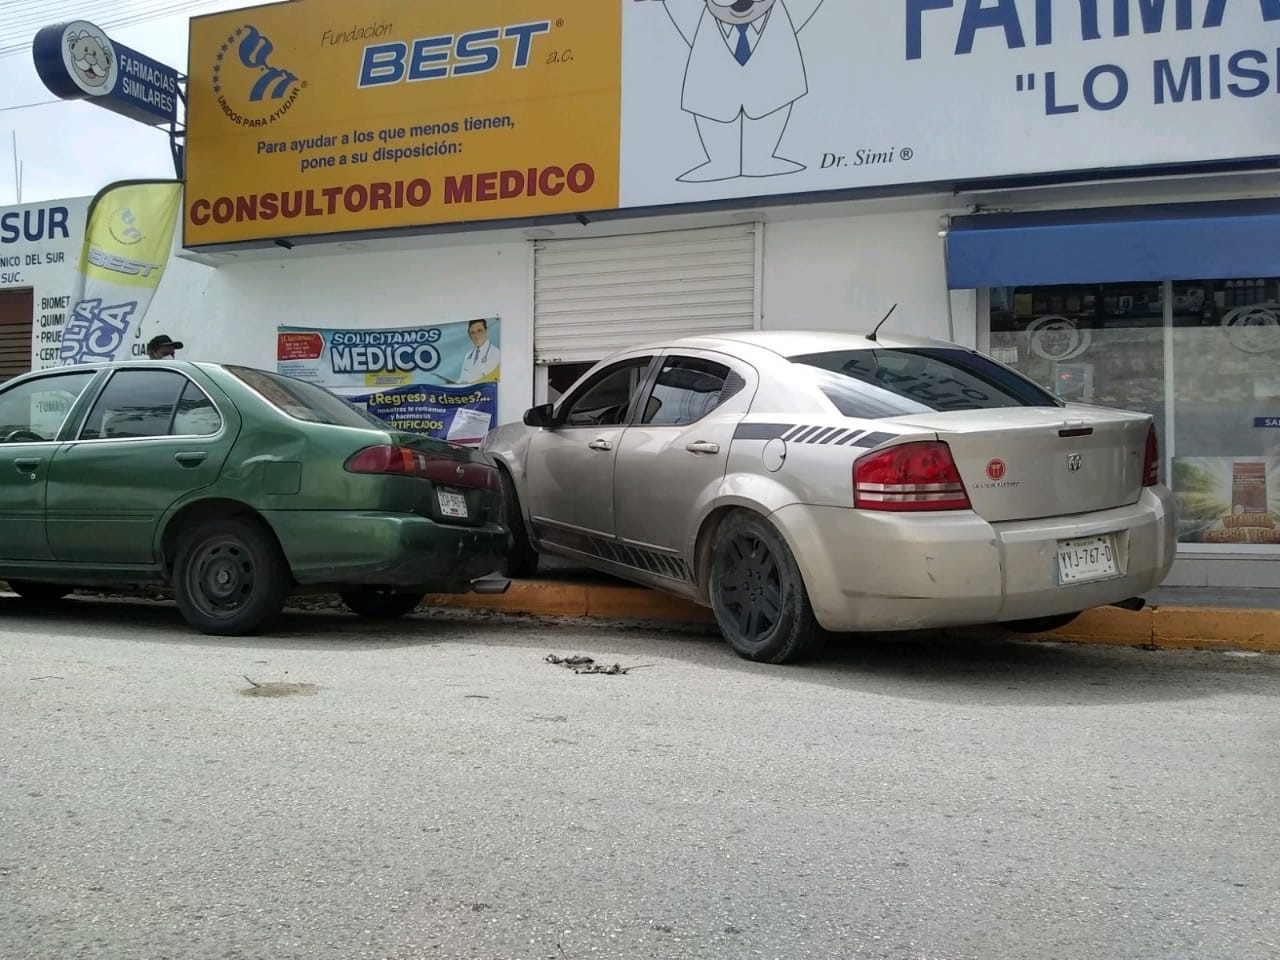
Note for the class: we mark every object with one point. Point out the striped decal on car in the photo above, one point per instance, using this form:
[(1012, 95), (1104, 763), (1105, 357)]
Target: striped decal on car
[(760, 431), (811, 434)]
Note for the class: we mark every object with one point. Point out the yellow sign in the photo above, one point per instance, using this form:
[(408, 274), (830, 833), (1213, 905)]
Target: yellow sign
[(319, 116)]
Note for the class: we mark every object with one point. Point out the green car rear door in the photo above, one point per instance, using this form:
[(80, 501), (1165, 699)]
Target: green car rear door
[(153, 436)]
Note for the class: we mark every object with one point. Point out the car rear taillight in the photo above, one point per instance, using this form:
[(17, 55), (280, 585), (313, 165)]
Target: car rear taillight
[(1151, 465), (909, 477), (407, 462)]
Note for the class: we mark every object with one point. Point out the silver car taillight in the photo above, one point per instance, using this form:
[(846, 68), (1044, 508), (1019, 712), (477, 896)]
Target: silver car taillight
[(1151, 464), (910, 477)]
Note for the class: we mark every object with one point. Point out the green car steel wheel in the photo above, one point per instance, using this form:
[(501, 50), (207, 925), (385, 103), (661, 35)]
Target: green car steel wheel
[(230, 578)]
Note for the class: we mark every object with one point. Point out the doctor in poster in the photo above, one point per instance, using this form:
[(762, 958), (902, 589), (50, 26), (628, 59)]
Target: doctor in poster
[(481, 364)]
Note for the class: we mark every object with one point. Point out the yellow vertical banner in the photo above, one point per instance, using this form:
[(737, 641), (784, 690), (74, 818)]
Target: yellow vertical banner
[(127, 242)]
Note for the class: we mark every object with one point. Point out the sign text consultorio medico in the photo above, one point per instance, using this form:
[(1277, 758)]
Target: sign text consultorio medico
[(319, 117), (303, 122)]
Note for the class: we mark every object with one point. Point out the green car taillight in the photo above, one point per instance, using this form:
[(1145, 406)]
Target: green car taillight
[(407, 462)]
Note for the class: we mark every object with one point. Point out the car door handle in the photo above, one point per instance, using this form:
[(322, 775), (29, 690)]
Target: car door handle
[(191, 458), (600, 444), (28, 464), (702, 446)]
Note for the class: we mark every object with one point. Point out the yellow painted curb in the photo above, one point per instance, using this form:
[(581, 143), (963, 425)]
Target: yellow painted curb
[(639, 603), (1231, 629), (1167, 627), (1201, 628), (555, 599), (523, 596), (1109, 625)]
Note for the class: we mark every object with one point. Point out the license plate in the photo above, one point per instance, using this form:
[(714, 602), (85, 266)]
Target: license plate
[(452, 504), (1090, 558)]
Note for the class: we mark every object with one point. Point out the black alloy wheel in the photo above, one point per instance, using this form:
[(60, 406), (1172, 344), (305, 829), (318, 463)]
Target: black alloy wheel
[(758, 595)]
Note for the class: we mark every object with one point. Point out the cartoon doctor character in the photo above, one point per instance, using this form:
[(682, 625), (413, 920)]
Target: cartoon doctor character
[(745, 73), (481, 363)]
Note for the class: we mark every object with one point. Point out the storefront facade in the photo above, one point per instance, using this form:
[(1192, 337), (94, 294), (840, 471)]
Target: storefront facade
[(39, 244), (1083, 190)]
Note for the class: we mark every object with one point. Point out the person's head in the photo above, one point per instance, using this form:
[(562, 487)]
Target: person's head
[(162, 347), (478, 331)]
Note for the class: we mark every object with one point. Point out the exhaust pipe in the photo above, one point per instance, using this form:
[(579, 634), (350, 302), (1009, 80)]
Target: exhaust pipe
[(1133, 603), (491, 584)]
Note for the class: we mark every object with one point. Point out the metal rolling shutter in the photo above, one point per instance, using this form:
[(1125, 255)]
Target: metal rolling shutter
[(592, 297), (15, 332)]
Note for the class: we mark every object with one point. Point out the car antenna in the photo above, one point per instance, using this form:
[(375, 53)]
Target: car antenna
[(872, 335)]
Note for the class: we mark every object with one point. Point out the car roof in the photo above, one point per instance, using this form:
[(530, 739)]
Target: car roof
[(790, 343), (136, 362), (783, 343)]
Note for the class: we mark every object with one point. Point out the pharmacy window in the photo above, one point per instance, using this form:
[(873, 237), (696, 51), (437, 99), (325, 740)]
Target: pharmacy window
[(1201, 356)]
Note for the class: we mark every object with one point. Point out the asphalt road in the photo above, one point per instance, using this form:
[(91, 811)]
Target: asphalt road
[(436, 789)]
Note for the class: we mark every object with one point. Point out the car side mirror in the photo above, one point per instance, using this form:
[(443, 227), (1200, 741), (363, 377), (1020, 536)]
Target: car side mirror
[(542, 415)]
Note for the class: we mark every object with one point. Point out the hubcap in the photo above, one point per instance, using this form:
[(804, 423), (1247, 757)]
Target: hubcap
[(220, 577)]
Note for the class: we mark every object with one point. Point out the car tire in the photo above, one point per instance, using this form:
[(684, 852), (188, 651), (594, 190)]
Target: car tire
[(522, 558), (757, 594), (1040, 624), (230, 577), (35, 592), (382, 603)]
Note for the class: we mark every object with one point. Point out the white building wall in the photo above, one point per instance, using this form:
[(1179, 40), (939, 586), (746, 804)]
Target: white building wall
[(844, 273), (230, 313), (829, 266), (824, 266)]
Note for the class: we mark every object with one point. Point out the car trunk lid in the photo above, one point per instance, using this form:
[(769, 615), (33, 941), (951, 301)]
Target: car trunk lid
[(1025, 463)]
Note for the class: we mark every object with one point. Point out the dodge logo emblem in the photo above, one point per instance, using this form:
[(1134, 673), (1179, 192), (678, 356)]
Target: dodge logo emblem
[(1073, 462)]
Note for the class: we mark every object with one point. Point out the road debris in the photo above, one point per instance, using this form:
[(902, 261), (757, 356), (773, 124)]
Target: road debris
[(580, 664)]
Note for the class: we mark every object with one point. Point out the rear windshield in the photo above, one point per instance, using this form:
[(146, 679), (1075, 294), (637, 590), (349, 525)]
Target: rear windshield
[(305, 401), (874, 382)]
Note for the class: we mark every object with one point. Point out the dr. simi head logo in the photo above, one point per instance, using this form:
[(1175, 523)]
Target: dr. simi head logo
[(89, 58), (254, 88)]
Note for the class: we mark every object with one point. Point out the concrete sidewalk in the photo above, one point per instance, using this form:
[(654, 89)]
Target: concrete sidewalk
[(1175, 617)]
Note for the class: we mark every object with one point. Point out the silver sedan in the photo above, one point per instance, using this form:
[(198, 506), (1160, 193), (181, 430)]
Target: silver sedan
[(800, 483)]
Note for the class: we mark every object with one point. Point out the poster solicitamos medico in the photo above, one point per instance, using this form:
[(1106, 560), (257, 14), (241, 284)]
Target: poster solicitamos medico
[(439, 380)]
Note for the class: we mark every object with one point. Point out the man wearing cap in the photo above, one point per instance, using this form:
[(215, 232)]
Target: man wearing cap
[(163, 347)]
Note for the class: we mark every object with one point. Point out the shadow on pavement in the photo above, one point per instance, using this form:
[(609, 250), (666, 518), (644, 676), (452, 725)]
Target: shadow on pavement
[(922, 666)]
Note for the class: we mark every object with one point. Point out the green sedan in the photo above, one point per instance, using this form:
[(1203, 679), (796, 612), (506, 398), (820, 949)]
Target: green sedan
[(236, 487)]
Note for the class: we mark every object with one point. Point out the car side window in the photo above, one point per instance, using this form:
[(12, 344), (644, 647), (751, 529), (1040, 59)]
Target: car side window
[(605, 399), (196, 415), (134, 404), (687, 389), (34, 411)]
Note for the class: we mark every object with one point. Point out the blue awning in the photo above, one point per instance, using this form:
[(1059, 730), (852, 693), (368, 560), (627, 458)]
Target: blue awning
[(1182, 241)]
